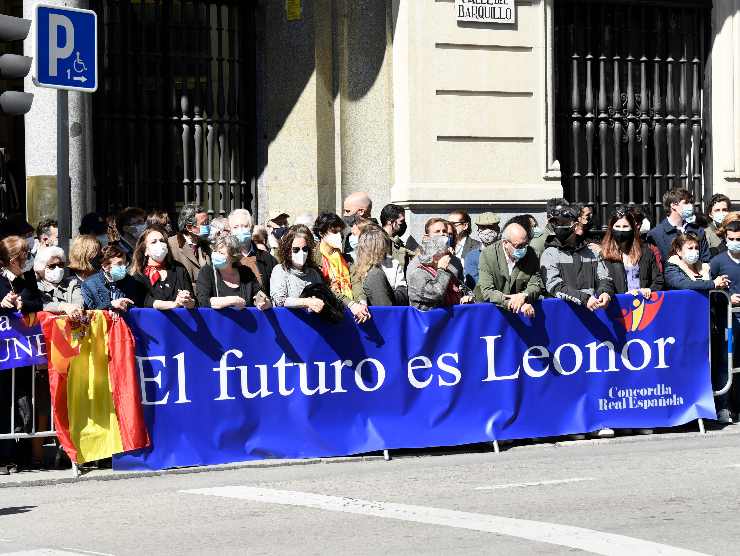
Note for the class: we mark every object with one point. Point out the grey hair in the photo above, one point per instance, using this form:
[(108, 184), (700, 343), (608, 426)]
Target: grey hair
[(432, 246), (241, 212), (218, 225), (45, 254), (233, 247), (187, 215)]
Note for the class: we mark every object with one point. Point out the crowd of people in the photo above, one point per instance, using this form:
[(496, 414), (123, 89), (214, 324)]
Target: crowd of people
[(333, 263)]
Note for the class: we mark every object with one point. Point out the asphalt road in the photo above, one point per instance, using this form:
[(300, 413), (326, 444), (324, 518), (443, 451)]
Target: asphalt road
[(642, 495)]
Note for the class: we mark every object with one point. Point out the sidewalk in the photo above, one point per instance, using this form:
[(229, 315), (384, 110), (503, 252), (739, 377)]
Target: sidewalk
[(43, 478)]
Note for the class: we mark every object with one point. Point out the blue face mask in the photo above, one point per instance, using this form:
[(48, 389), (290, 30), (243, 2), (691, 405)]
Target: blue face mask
[(205, 230), (733, 245), (219, 260), (244, 236), (687, 211), (353, 241), (518, 254), (536, 231), (117, 272)]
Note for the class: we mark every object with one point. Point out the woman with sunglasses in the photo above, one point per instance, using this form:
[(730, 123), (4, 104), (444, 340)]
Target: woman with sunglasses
[(296, 271), (60, 291), (631, 263), (225, 282)]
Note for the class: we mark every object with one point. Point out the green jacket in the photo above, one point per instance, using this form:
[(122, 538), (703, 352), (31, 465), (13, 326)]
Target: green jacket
[(494, 281)]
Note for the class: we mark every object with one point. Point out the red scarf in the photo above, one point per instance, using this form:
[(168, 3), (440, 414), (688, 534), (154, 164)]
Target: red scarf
[(152, 271), (453, 294)]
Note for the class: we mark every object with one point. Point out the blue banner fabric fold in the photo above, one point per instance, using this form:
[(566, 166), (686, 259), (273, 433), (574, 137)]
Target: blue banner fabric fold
[(227, 386), (21, 342)]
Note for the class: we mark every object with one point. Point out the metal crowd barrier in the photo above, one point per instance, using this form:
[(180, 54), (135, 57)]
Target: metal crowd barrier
[(12, 435), (729, 340)]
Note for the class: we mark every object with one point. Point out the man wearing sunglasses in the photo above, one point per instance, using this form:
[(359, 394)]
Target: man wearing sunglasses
[(554, 206), (570, 269)]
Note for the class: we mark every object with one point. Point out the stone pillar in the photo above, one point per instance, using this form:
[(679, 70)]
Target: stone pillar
[(298, 109), (363, 58), (40, 131), (723, 137)]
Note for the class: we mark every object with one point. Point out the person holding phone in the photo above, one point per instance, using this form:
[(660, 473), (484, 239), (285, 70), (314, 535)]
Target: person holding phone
[(226, 282), (166, 282)]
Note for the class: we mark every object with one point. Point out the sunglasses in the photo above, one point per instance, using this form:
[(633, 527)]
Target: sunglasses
[(299, 249), (563, 212)]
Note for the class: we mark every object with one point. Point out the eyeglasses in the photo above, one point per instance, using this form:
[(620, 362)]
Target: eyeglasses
[(520, 246), (299, 249), (456, 223)]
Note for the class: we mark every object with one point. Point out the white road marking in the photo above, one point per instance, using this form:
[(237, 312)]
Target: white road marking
[(47, 552), (538, 483), (79, 550), (589, 540)]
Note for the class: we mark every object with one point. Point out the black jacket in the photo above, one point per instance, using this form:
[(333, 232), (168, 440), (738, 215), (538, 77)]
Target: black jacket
[(207, 285), (27, 288), (650, 275), (166, 290)]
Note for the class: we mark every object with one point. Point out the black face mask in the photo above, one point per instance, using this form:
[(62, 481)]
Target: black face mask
[(587, 226), (280, 232), (401, 229), (564, 234), (623, 237), (96, 262)]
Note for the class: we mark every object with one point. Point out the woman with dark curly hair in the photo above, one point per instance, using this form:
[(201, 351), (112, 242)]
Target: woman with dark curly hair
[(334, 266), (296, 271)]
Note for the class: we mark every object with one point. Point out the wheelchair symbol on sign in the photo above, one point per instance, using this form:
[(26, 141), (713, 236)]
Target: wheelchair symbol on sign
[(79, 66)]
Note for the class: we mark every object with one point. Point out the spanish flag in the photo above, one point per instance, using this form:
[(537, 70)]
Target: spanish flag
[(94, 388)]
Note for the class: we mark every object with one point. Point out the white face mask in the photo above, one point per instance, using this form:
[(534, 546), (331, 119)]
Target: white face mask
[(645, 226), (54, 275), (299, 259), (28, 266), (334, 240), (158, 251)]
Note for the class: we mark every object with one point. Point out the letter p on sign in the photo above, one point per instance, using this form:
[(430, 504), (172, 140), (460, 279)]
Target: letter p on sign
[(66, 48), (58, 51)]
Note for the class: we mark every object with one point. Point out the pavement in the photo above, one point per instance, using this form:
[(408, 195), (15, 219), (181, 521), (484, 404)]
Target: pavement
[(673, 493)]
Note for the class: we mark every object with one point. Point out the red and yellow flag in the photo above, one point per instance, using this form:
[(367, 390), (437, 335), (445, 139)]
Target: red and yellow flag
[(94, 388)]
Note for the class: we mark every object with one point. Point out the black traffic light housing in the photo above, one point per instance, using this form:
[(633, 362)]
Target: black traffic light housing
[(14, 66)]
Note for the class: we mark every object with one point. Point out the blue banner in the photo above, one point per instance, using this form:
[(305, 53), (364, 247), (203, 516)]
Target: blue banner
[(21, 344), (227, 386)]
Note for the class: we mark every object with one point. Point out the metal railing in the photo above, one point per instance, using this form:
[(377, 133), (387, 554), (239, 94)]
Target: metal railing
[(12, 435)]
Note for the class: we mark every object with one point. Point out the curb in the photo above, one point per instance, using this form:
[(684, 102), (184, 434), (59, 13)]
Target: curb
[(110, 475)]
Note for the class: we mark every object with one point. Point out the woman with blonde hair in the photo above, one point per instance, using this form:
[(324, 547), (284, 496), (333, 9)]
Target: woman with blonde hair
[(369, 280), (84, 257)]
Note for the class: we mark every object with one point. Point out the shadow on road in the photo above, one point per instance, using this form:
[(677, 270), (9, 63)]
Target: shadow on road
[(15, 510)]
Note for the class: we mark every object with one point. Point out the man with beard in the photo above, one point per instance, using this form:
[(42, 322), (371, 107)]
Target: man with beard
[(393, 221), (569, 267)]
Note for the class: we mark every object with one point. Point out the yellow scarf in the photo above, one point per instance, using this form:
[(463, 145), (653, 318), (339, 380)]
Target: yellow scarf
[(335, 269)]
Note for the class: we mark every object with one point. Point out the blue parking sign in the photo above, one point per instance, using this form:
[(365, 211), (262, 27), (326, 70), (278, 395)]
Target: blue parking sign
[(66, 48)]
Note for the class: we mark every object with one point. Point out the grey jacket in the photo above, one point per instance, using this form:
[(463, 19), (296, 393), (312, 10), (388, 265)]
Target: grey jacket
[(574, 274), (427, 292), (67, 291)]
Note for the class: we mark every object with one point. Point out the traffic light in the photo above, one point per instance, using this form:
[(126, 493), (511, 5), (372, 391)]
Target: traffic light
[(14, 66)]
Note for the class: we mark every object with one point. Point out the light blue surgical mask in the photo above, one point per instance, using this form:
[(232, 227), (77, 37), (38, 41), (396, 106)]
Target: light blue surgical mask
[(219, 260), (243, 236), (733, 245), (353, 241), (691, 257), (518, 254), (687, 211), (536, 231), (205, 230), (117, 272)]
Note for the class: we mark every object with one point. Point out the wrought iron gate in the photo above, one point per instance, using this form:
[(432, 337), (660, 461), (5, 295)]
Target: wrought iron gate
[(631, 106), (175, 111)]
